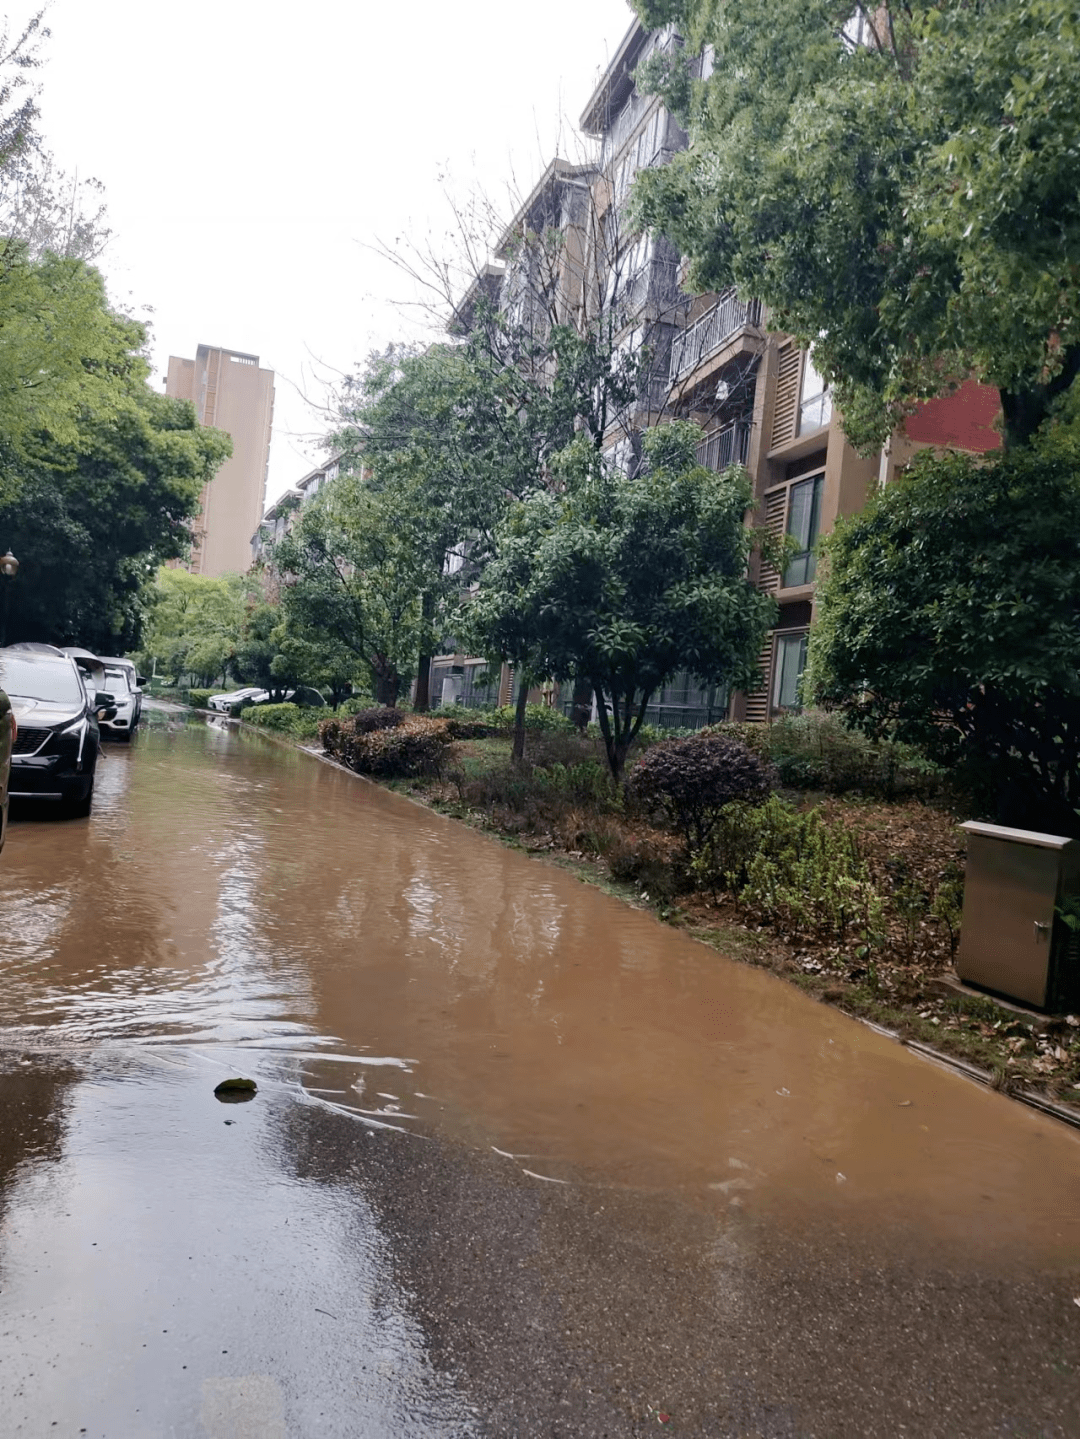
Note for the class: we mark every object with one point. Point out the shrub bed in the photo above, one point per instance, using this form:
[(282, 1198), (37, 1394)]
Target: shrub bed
[(540, 718), (815, 751), (199, 699), (414, 745), (690, 781), (355, 703), (284, 718)]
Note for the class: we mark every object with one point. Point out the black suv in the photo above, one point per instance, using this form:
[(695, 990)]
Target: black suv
[(56, 747)]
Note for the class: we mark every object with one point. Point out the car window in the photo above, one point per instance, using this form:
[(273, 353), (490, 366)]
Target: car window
[(116, 681), (53, 681)]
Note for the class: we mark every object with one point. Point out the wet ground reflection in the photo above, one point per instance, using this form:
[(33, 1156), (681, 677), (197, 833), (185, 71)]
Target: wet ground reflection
[(229, 892), (234, 907)]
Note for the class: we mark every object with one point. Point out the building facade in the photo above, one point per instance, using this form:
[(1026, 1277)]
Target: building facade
[(279, 518), (231, 392), (711, 359), (756, 395)]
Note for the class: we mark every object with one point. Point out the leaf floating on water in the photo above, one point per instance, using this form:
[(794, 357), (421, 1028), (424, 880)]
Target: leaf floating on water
[(236, 1086), (904, 1104)]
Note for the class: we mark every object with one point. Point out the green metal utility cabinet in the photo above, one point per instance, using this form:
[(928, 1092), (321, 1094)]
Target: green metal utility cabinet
[(1013, 939)]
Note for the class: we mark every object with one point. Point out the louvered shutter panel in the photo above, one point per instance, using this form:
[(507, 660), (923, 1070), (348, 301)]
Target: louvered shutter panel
[(787, 394), (775, 518), (757, 704)]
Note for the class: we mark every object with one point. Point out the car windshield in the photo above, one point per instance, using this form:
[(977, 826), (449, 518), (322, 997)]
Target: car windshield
[(116, 681), (54, 681)]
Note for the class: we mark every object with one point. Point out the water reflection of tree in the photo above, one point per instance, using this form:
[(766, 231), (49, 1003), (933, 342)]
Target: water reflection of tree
[(33, 1118)]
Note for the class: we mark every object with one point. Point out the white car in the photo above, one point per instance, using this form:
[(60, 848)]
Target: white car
[(221, 703), (135, 681), (126, 701)]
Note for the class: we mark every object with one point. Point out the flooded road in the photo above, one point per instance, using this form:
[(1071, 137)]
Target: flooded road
[(522, 1160)]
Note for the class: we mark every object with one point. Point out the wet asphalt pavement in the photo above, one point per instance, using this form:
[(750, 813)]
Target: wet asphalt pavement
[(522, 1162)]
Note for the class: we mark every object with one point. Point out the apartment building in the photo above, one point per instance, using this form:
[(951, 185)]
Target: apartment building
[(280, 517), (758, 398), (633, 277), (711, 359), (231, 392)]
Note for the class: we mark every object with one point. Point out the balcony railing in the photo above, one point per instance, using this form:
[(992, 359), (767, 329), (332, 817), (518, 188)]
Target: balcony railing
[(729, 446), (709, 333)]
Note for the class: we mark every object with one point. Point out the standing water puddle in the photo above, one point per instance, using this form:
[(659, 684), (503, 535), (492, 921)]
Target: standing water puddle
[(235, 905)]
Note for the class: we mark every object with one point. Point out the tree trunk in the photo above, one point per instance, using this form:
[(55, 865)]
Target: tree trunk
[(422, 701), (604, 720), (386, 686), (517, 754), (581, 704), (620, 728), (1024, 410)]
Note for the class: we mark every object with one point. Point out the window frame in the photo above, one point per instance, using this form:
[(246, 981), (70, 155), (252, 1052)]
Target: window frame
[(815, 406), (806, 557), (782, 642)]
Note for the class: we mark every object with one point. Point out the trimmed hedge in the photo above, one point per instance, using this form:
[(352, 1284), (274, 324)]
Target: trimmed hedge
[(816, 751), (199, 699), (283, 717), (691, 780), (537, 717), (355, 703), (377, 717), (417, 745)]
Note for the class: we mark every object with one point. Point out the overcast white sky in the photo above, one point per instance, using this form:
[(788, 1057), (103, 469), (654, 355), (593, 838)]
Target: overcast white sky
[(251, 153)]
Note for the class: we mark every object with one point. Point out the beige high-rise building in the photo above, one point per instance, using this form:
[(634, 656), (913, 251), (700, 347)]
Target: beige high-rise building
[(230, 392)]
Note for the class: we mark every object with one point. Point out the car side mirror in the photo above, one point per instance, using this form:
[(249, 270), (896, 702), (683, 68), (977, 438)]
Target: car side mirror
[(140, 681), (103, 700), (108, 713)]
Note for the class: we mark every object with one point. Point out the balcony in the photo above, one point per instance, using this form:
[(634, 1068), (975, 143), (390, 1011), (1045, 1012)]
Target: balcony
[(729, 446), (655, 288), (699, 341)]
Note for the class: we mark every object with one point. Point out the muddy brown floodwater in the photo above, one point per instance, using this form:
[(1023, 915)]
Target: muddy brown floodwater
[(522, 1160)]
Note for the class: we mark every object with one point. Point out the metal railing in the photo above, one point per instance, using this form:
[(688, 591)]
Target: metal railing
[(729, 446), (706, 335)]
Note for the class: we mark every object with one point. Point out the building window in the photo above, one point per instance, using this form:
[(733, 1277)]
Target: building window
[(804, 523), (790, 663), (815, 405)]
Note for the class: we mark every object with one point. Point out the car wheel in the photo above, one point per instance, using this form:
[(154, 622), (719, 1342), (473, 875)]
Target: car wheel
[(80, 808)]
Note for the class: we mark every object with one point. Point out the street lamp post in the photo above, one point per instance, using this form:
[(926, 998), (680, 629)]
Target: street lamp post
[(9, 568)]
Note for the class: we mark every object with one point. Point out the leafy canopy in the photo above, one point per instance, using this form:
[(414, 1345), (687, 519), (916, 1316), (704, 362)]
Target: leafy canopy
[(68, 359), (898, 182), (91, 526), (193, 625), (949, 617), (627, 580), (352, 580)]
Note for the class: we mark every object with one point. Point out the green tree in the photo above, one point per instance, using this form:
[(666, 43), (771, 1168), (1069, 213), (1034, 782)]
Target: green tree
[(350, 579), (91, 527), (627, 580), (68, 359), (193, 625), (897, 182), (453, 434), (315, 659), (257, 658), (436, 443), (949, 617)]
